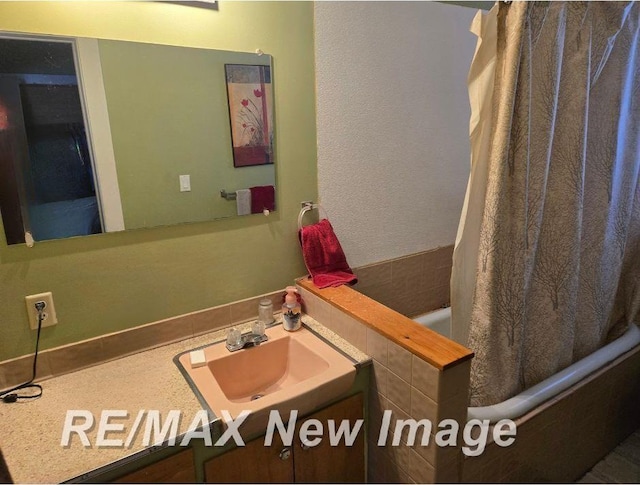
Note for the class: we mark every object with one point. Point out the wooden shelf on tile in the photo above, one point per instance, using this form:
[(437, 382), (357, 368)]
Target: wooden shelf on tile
[(430, 346)]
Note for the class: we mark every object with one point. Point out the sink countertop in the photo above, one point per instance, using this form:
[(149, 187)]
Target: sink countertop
[(149, 380)]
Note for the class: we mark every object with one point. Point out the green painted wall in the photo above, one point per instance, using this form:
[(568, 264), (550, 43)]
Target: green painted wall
[(169, 116), (115, 281)]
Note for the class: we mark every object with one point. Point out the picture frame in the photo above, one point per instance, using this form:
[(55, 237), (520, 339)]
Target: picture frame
[(250, 98)]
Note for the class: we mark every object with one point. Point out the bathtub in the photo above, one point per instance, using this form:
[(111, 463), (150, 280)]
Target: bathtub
[(440, 321)]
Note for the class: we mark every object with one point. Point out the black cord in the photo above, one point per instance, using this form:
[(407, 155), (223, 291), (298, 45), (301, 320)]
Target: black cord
[(9, 395)]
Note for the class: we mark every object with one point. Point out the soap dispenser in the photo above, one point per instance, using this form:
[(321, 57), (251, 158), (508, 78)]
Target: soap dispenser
[(291, 310)]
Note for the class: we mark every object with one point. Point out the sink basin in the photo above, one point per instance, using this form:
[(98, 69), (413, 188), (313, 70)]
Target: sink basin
[(291, 371), (266, 369)]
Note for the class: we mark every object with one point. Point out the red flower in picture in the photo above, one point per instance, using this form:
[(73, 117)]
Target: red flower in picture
[(250, 104), (251, 120)]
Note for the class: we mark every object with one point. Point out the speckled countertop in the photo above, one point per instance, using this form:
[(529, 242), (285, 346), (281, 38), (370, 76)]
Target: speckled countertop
[(31, 431)]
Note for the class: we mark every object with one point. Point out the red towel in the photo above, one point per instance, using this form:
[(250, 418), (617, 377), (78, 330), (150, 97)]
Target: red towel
[(262, 197), (324, 257)]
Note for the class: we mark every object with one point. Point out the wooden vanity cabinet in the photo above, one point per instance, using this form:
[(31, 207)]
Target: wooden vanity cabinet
[(253, 463), (178, 468), (332, 464), (256, 463)]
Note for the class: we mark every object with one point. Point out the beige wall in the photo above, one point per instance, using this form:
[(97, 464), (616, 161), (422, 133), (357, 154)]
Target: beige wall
[(393, 117)]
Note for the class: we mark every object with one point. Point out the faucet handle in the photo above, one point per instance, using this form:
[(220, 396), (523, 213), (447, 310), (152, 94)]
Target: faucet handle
[(234, 337), (257, 328), (237, 341)]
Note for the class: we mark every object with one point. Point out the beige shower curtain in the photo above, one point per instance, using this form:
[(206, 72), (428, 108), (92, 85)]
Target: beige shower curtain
[(480, 81), (557, 260)]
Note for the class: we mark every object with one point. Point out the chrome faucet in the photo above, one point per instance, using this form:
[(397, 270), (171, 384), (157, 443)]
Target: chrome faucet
[(238, 341)]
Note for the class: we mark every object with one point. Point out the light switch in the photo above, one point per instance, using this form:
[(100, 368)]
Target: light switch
[(185, 183)]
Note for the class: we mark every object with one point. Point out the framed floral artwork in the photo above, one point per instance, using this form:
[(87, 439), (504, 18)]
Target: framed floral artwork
[(251, 113)]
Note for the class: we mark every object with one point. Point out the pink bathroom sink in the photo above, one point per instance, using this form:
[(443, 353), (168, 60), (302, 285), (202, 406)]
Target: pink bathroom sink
[(291, 371)]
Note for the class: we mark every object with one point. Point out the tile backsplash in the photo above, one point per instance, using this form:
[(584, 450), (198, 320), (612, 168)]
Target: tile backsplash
[(410, 285)]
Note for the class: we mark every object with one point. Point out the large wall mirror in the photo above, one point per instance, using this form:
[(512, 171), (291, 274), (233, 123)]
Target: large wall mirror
[(101, 135)]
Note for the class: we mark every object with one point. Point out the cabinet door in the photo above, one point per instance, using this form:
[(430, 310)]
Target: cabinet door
[(252, 463), (177, 468), (332, 464)]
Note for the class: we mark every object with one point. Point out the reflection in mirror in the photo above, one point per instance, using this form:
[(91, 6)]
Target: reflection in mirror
[(158, 147), (43, 142)]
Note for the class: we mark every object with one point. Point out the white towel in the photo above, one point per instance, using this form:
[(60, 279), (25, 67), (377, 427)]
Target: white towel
[(243, 202)]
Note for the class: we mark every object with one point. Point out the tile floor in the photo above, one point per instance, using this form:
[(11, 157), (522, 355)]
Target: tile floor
[(622, 465)]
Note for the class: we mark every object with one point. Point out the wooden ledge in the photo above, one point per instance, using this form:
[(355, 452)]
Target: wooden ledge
[(423, 342)]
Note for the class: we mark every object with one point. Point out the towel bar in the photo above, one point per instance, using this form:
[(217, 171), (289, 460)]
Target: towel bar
[(227, 195)]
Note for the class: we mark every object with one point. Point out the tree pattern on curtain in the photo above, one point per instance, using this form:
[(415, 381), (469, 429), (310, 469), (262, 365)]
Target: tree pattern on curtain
[(558, 271)]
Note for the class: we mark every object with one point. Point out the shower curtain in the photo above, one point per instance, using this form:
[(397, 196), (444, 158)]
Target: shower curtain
[(547, 260)]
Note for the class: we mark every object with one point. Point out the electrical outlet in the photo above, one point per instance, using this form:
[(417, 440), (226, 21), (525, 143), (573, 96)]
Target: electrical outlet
[(49, 312)]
